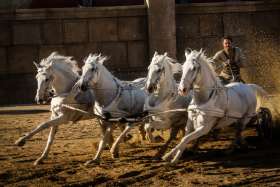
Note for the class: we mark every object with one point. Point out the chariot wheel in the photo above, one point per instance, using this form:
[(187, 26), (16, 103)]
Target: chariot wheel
[(264, 124)]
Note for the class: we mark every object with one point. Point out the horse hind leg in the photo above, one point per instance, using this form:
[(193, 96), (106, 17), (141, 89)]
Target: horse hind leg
[(239, 142), (142, 131)]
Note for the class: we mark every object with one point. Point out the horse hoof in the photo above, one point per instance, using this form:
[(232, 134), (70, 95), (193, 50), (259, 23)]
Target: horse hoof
[(20, 142), (173, 162), (166, 157), (115, 155), (128, 137), (158, 156), (91, 161), (37, 162)]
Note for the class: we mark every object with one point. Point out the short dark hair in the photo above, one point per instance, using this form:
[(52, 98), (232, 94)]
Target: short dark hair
[(227, 38)]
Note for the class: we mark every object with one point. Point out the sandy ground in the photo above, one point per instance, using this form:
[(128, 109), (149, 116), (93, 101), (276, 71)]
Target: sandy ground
[(74, 144)]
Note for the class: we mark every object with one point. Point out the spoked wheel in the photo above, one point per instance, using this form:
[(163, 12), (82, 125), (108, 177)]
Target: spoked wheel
[(264, 124)]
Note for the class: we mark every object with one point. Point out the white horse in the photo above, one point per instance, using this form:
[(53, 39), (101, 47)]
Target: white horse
[(164, 97), (59, 73), (213, 105), (113, 98)]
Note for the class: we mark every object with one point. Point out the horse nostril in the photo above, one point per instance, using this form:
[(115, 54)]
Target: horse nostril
[(83, 87), (40, 100), (184, 90), (150, 89)]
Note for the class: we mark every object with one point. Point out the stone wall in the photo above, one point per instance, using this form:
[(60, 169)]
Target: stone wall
[(123, 34), (30, 35), (254, 26)]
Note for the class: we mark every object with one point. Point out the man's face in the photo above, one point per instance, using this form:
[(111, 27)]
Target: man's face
[(226, 44)]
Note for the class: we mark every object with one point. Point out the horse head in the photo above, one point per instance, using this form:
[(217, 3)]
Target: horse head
[(91, 71), (191, 69), (44, 78), (55, 75), (160, 67)]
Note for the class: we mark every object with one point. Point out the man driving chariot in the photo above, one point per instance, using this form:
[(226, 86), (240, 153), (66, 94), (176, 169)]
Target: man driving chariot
[(228, 61)]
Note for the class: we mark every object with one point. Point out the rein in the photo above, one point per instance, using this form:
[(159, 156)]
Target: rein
[(142, 117)]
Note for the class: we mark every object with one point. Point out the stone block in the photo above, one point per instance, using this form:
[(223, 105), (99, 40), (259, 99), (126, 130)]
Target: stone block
[(266, 23), (132, 28), (20, 59), (45, 51), (3, 62), (81, 51), (211, 45), (183, 43), (103, 29), (75, 31), (18, 89), (117, 51), (5, 34), (26, 33), (237, 24), (211, 25), (138, 54), (52, 32), (187, 26)]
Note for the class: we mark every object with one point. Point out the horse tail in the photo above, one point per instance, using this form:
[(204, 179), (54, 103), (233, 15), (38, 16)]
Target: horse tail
[(261, 94)]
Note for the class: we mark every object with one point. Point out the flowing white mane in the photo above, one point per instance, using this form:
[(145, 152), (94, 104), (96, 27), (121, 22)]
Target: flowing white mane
[(95, 58), (65, 62)]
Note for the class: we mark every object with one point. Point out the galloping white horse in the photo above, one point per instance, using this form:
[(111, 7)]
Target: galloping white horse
[(163, 97), (60, 74), (213, 105), (114, 98)]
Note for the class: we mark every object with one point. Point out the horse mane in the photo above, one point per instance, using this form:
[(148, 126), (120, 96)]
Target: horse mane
[(207, 62), (92, 57), (65, 61), (169, 59)]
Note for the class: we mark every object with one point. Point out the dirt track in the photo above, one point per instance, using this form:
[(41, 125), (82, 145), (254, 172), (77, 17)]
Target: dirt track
[(76, 143)]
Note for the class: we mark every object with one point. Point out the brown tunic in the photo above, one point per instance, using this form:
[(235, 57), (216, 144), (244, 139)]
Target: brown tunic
[(230, 63)]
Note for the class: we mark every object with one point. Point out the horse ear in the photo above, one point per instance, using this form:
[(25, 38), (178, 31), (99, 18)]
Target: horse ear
[(102, 59), (156, 53), (176, 67), (165, 54), (200, 53), (37, 65), (188, 51)]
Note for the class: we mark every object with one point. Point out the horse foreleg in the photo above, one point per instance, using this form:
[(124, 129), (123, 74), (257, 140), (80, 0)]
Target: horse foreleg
[(102, 144), (172, 136), (47, 148), (201, 130), (50, 123), (188, 129), (113, 149)]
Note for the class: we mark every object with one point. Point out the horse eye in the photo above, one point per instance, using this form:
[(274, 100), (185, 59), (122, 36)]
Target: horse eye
[(47, 79), (92, 69), (159, 70)]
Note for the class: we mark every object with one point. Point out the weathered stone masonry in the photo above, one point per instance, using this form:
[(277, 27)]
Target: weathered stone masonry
[(131, 34)]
